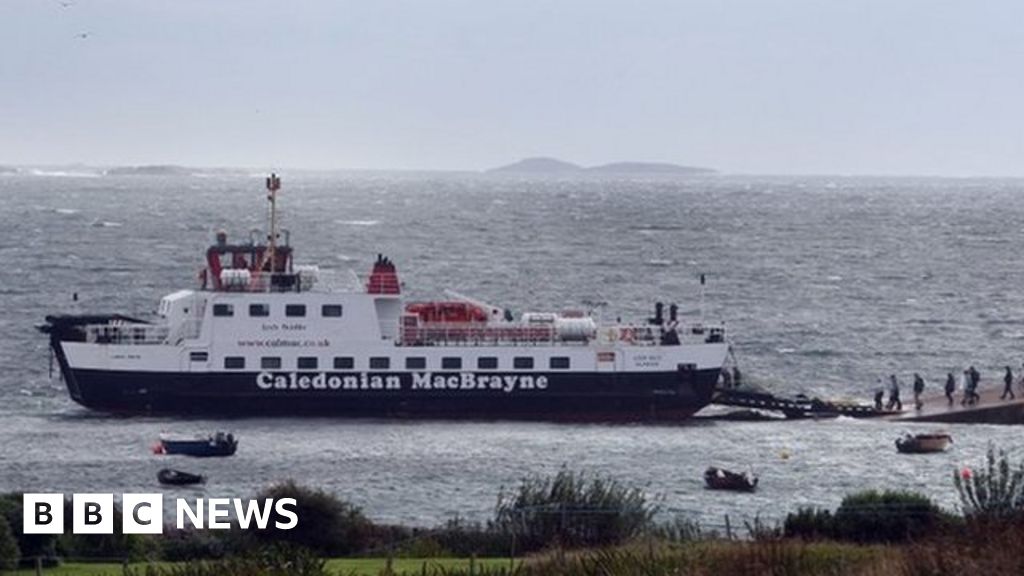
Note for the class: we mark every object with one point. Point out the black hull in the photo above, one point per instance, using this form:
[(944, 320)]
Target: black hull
[(581, 397)]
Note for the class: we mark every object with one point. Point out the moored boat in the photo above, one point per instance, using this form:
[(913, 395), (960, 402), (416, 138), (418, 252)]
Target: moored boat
[(923, 443), (261, 336), (217, 444), (172, 477), (722, 479)]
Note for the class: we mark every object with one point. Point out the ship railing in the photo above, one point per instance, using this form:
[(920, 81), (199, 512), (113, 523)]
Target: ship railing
[(415, 333), (651, 335), (128, 333), (479, 334), (268, 282)]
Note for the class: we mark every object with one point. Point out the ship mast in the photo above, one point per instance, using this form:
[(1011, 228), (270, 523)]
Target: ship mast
[(273, 185)]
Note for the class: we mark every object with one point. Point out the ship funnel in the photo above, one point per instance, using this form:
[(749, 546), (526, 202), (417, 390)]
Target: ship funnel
[(383, 278)]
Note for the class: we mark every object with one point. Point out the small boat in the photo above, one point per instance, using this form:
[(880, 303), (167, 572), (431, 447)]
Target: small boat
[(721, 479), (179, 478), (923, 443), (217, 444)]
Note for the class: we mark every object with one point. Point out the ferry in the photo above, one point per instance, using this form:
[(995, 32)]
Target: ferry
[(260, 335)]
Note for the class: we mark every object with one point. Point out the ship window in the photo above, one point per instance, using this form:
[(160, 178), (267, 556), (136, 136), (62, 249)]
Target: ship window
[(522, 363), (234, 362), (223, 310), (331, 310), (451, 363), (198, 356), (270, 362), (380, 363), (307, 363), (487, 363), (295, 310), (259, 310), (415, 363), (559, 363), (344, 363)]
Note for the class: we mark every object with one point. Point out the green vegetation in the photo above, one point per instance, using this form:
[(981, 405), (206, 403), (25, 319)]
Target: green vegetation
[(571, 524), (870, 517), (889, 516), (336, 566), (329, 526), (572, 510), (995, 491), (9, 553)]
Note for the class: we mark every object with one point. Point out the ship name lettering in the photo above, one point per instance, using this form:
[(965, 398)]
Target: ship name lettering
[(321, 381), (471, 381)]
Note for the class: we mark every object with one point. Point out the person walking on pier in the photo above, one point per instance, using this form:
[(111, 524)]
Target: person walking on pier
[(918, 388), (970, 388), (894, 394), (975, 381), (965, 385), (950, 387), (1008, 385)]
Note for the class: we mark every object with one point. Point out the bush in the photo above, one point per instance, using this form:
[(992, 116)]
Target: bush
[(888, 516), (9, 553), (997, 491), (681, 529), (461, 538), (572, 510), (809, 524), (116, 546), (327, 525), (30, 545)]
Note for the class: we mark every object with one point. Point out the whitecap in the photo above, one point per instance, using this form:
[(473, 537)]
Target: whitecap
[(358, 222), (66, 211), (105, 224), (64, 173)]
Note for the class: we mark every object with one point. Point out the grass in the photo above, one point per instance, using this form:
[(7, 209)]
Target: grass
[(342, 566)]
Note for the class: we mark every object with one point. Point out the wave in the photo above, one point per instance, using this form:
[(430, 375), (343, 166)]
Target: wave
[(64, 173), (105, 224), (66, 211), (358, 222)]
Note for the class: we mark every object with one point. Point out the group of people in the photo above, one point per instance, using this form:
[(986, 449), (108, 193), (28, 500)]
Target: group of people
[(968, 383)]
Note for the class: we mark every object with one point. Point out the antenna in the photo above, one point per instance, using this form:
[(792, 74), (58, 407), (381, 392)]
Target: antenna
[(702, 280)]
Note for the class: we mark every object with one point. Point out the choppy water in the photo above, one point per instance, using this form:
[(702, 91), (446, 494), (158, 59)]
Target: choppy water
[(824, 284)]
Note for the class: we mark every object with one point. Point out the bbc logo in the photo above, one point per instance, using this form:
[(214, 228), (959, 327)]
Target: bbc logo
[(93, 513), (143, 513)]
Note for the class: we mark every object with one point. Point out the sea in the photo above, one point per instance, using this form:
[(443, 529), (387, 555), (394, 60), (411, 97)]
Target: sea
[(824, 284)]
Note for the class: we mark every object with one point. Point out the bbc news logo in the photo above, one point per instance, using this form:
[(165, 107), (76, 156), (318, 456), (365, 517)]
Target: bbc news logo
[(144, 513)]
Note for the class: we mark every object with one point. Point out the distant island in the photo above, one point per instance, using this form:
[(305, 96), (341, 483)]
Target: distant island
[(543, 165), (539, 165), (151, 170)]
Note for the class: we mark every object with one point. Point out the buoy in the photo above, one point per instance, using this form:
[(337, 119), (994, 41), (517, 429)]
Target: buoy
[(966, 473)]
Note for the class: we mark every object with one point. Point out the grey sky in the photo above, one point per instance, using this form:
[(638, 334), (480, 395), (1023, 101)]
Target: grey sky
[(757, 86)]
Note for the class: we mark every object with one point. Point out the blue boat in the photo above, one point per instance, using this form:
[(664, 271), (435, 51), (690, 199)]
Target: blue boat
[(217, 444)]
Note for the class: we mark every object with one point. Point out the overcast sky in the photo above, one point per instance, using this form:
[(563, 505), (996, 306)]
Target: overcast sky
[(752, 86)]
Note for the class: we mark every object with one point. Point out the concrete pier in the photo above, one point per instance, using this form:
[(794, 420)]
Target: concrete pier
[(989, 410)]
